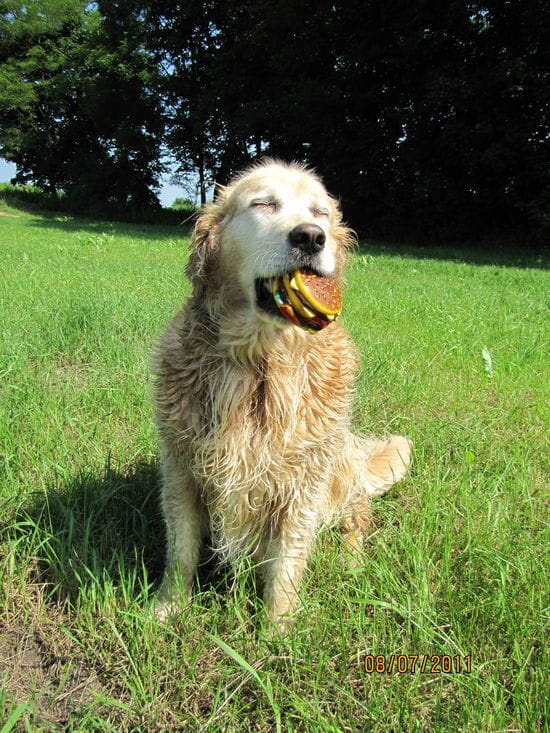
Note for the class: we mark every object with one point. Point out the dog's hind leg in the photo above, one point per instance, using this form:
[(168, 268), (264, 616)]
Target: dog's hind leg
[(375, 464), (370, 467), (388, 463), (186, 524)]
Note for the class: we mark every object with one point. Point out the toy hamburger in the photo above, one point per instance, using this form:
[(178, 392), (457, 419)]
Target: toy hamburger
[(307, 300)]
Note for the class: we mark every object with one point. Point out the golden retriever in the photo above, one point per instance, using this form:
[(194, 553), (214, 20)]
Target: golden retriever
[(253, 411)]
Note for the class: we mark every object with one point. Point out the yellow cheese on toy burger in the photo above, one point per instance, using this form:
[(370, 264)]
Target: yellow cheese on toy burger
[(295, 300), (322, 293)]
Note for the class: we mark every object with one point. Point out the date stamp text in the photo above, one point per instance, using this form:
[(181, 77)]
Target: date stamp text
[(417, 663)]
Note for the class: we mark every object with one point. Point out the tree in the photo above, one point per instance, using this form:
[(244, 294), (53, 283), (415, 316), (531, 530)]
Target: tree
[(429, 119), (35, 40), (78, 108), (183, 204)]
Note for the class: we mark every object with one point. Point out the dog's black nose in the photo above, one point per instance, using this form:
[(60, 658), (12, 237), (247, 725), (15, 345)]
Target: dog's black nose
[(308, 237)]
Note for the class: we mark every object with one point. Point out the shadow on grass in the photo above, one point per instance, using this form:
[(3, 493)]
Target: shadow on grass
[(503, 255), (500, 252), (33, 200), (70, 223), (101, 530)]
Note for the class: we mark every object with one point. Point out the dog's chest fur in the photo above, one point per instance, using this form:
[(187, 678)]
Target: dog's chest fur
[(255, 434)]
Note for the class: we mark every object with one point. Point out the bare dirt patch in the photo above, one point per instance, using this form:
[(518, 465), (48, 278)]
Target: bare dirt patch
[(40, 665)]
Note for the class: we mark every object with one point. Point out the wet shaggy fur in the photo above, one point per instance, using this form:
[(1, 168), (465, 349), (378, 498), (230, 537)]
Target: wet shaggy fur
[(253, 412)]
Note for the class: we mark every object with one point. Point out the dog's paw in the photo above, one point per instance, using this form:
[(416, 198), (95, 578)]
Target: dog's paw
[(281, 626), (166, 607), (163, 610), (388, 463)]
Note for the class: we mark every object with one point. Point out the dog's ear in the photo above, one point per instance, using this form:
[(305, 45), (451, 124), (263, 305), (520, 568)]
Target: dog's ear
[(201, 266), (344, 237)]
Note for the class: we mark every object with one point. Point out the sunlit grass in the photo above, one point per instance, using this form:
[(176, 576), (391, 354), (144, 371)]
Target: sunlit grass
[(456, 563)]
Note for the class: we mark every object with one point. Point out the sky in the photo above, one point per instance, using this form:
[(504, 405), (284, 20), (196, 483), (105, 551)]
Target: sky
[(168, 191)]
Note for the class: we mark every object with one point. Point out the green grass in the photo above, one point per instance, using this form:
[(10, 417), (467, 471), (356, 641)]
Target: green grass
[(455, 565)]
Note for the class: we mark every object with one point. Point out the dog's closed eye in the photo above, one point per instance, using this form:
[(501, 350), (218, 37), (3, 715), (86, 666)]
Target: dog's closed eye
[(266, 204)]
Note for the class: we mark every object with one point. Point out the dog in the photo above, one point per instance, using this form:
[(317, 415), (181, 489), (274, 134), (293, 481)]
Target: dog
[(253, 410)]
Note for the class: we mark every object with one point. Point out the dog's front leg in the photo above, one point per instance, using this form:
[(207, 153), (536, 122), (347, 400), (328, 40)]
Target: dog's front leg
[(284, 564), (186, 522)]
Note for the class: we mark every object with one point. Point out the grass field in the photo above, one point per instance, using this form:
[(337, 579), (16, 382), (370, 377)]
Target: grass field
[(455, 355)]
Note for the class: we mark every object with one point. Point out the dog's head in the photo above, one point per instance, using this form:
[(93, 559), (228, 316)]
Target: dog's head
[(270, 220)]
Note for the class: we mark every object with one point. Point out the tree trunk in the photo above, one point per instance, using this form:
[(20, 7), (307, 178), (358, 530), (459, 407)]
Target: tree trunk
[(202, 183)]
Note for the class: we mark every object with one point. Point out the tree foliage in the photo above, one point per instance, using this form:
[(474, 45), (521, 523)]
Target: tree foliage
[(79, 109), (430, 119)]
